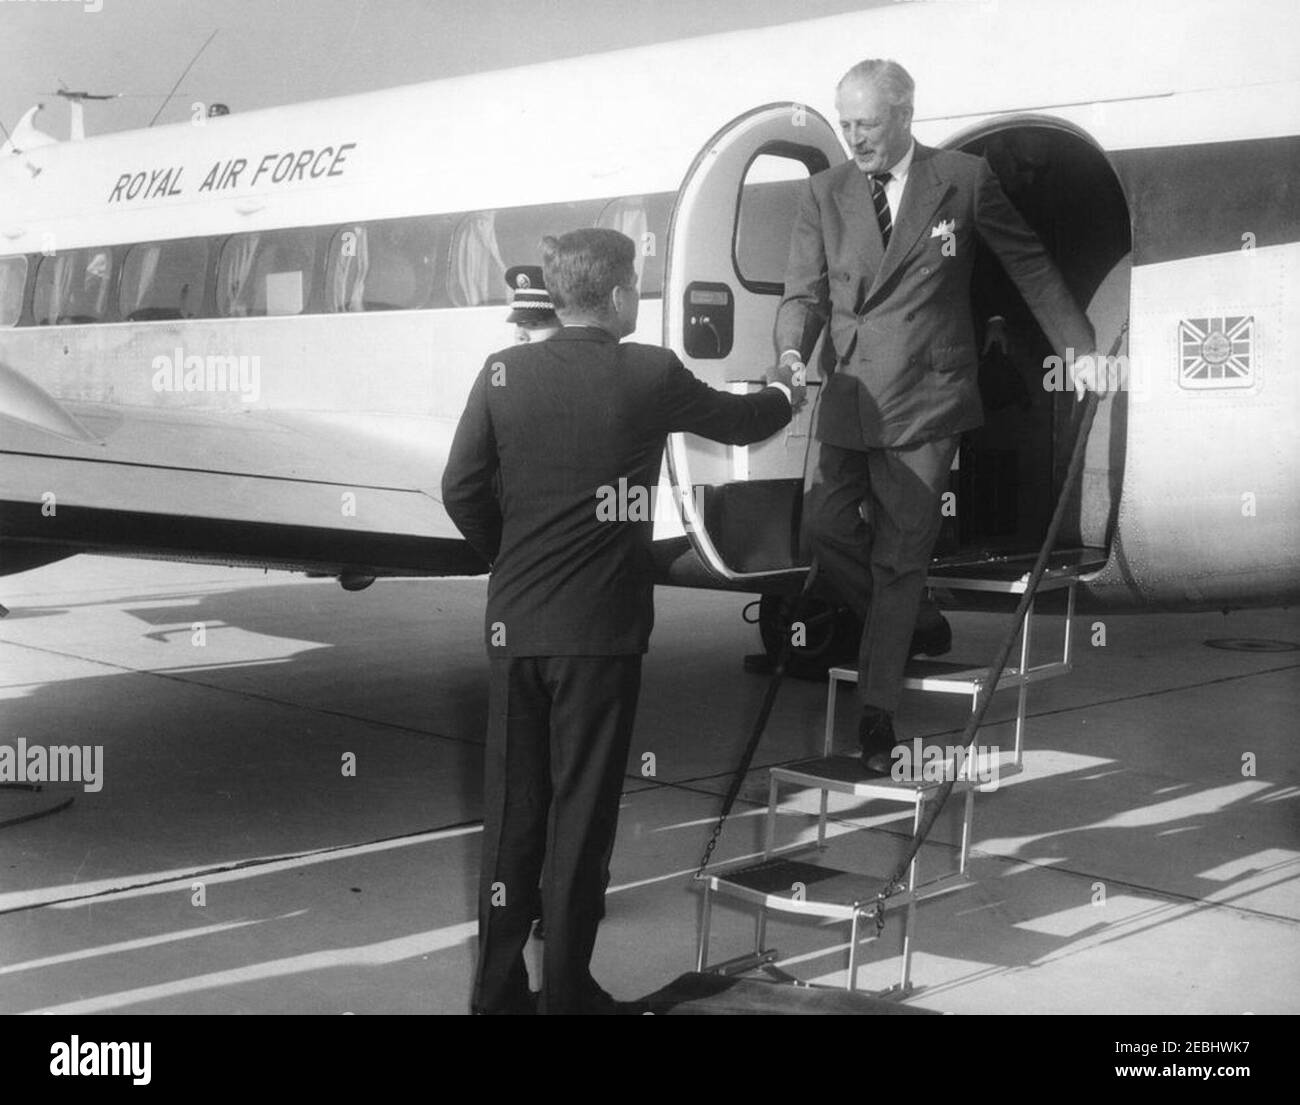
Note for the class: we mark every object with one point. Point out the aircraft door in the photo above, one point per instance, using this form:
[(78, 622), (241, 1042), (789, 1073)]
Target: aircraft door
[(727, 248)]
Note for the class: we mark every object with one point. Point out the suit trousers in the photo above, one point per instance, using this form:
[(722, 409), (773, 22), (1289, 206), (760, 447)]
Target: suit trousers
[(559, 731), (879, 563)]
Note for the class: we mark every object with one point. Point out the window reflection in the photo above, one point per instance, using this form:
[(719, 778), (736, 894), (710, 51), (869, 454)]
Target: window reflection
[(410, 263), (13, 278), (768, 203), (164, 280), (266, 273), (385, 266), (73, 287)]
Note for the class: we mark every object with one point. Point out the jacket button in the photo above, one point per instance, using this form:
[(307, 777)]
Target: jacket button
[(925, 270), (909, 316)]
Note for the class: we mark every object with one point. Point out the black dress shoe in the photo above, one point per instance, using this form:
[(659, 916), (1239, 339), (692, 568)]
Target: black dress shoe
[(880, 764), (933, 640), (876, 737)]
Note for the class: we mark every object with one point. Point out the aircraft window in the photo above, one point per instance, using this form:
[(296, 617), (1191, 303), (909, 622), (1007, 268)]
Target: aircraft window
[(644, 219), (384, 266), (477, 273), (164, 280), (487, 243), (72, 287), (13, 278), (268, 273), (767, 208), (520, 232)]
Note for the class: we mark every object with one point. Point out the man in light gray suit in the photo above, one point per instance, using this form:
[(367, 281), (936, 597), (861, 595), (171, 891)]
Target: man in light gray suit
[(881, 253)]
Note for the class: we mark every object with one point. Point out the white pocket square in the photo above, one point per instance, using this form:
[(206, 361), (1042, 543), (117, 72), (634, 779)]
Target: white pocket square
[(943, 228)]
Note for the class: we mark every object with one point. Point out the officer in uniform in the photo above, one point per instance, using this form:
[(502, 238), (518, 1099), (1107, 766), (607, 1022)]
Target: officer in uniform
[(531, 310)]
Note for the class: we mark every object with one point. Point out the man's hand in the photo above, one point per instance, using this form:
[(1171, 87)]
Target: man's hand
[(792, 373), (996, 335), (1088, 373)]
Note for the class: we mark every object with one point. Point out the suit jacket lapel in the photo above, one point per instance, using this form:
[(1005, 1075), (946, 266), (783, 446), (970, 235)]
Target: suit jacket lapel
[(853, 198), (921, 198)]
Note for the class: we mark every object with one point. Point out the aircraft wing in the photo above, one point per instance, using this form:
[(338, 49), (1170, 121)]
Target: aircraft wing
[(326, 492)]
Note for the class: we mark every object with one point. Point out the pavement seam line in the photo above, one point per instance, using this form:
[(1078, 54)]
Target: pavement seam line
[(240, 865), (251, 695)]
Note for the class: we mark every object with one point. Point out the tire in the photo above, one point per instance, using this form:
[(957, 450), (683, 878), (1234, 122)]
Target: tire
[(831, 633)]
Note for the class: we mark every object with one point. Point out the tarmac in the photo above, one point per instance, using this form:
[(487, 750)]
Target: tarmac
[(287, 804)]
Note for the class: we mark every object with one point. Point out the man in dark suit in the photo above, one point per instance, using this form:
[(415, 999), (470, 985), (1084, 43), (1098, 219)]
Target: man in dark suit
[(572, 430), (881, 255)]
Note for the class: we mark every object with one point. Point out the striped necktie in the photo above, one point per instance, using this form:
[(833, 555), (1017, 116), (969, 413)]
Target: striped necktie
[(878, 182)]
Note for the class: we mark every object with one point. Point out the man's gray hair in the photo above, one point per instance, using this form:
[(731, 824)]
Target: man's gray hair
[(582, 267), (894, 82)]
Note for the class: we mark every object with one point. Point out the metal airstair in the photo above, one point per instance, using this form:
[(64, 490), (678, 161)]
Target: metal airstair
[(788, 880)]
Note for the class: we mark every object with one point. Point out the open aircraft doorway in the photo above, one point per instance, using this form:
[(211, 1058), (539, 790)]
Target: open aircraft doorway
[(742, 507), (1010, 470)]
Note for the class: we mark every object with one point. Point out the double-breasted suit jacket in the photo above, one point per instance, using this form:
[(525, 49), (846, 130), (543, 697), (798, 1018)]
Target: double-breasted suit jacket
[(901, 358)]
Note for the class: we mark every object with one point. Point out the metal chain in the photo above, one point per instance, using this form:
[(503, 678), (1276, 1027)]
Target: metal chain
[(708, 848), (777, 673)]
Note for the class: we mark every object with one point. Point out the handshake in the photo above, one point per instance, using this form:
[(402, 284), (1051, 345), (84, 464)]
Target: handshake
[(791, 372)]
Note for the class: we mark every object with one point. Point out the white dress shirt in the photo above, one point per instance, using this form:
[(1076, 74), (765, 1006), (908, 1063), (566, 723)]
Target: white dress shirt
[(898, 181)]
